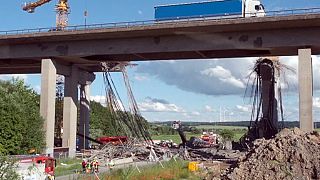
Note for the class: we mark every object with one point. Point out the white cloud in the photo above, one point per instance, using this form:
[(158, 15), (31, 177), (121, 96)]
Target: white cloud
[(103, 101), (100, 99), (223, 75), (210, 77), (316, 102), (246, 108), (37, 88), (158, 105), (140, 78), (209, 108), (195, 113), (140, 12)]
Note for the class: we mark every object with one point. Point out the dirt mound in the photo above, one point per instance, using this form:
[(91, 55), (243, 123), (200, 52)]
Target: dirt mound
[(292, 154)]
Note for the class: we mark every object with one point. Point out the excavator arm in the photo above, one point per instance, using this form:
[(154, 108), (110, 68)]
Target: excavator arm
[(30, 7)]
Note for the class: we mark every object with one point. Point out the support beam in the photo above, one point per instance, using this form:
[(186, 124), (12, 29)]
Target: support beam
[(47, 101), (70, 111), (305, 90)]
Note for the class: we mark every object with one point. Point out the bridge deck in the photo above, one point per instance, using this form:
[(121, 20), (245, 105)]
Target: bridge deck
[(242, 37)]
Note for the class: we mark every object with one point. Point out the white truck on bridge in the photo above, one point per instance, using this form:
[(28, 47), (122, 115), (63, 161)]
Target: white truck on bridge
[(210, 9)]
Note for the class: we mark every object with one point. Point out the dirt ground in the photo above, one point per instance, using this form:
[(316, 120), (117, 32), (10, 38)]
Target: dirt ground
[(292, 154)]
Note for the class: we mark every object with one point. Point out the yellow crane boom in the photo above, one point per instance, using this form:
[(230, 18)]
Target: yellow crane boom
[(62, 9), (30, 7)]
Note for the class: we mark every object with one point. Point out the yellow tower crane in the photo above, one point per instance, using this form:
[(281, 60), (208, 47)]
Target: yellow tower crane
[(62, 10)]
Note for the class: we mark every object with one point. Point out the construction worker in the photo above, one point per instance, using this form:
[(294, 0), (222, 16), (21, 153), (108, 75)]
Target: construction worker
[(88, 167), (84, 166), (96, 165)]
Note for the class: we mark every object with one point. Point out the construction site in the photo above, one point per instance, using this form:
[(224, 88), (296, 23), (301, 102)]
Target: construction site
[(87, 139)]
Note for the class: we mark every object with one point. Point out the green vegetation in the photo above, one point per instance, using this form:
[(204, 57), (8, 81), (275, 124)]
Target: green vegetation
[(227, 134), (105, 123), (213, 127), (100, 121), (172, 170), (20, 122), (7, 168), (69, 166), (166, 132), (238, 135), (176, 138)]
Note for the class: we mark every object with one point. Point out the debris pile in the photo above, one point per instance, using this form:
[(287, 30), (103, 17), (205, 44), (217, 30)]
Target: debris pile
[(292, 154), (131, 149), (209, 154)]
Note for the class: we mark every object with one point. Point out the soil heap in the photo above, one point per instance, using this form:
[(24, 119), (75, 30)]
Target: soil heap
[(292, 154)]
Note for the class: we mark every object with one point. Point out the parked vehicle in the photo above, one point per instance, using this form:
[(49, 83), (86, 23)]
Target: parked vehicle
[(36, 167), (210, 9)]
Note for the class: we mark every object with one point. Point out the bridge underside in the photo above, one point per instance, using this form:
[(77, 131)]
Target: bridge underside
[(246, 37)]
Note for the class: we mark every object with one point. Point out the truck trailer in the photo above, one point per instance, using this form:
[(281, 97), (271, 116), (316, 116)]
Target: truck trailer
[(210, 9)]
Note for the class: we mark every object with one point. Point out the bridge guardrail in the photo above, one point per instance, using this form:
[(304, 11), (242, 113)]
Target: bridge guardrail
[(153, 22)]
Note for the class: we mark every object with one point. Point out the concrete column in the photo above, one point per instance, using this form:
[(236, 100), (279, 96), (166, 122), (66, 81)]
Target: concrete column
[(70, 112), (84, 115), (305, 90), (47, 101)]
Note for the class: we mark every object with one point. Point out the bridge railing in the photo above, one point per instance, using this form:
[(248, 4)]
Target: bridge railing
[(167, 21)]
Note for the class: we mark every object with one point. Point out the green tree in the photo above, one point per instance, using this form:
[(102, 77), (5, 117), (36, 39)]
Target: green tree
[(21, 127), (103, 122), (227, 134), (8, 168), (100, 121)]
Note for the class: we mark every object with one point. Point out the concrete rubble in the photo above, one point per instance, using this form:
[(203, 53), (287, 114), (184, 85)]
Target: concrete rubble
[(132, 149), (292, 154), (138, 151)]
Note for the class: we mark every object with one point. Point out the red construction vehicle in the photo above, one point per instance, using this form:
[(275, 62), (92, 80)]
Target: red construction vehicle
[(115, 140), (36, 166), (211, 138)]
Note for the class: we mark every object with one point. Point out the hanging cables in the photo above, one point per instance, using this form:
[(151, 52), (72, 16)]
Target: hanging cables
[(129, 122), (140, 122)]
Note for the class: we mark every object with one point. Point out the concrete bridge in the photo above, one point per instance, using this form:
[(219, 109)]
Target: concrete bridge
[(77, 54)]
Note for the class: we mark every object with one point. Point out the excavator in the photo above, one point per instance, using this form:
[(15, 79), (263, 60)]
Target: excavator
[(62, 10), (194, 142)]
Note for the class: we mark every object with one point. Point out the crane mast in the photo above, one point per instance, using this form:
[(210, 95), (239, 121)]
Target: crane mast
[(62, 10)]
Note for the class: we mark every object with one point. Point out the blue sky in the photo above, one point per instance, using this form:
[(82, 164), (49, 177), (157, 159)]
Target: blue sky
[(168, 90)]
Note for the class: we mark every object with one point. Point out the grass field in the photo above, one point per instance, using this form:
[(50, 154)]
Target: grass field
[(220, 127), (172, 170), (69, 167), (176, 138)]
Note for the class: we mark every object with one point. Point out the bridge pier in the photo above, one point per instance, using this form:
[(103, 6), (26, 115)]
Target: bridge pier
[(47, 101), (84, 115), (305, 90), (70, 111)]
